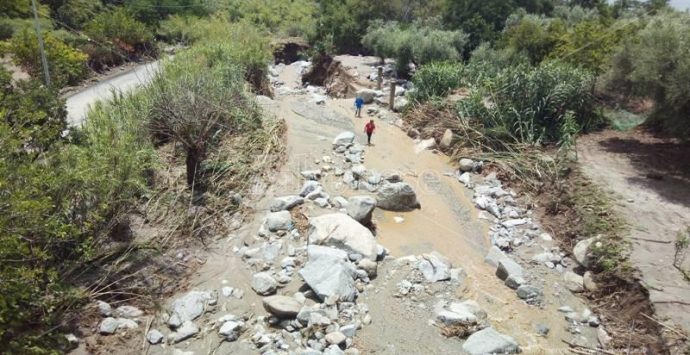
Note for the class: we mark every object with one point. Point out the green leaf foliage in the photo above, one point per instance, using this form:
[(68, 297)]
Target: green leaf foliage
[(67, 65)]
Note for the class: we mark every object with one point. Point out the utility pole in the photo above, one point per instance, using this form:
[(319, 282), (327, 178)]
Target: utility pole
[(39, 35)]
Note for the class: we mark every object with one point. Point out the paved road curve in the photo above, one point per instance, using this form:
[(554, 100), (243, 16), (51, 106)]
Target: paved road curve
[(79, 102)]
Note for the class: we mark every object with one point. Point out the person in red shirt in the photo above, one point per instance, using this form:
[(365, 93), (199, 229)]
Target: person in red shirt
[(369, 130)]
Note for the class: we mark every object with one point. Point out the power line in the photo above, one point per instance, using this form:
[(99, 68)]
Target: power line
[(41, 47)]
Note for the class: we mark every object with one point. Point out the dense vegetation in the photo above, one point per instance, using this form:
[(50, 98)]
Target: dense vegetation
[(65, 197)]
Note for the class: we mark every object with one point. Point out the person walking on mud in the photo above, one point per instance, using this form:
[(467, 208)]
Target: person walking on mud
[(359, 102), (369, 130)]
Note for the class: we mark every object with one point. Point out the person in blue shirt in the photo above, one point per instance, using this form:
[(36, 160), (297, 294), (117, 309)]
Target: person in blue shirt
[(359, 102)]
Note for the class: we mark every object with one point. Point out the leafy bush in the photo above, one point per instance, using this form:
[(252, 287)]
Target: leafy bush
[(420, 43), (590, 44), (76, 13), (67, 65), (486, 62), (534, 36), (118, 37), (180, 29), (191, 103), (291, 18), (6, 30), (436, 80), (532, 105), (655, 63)]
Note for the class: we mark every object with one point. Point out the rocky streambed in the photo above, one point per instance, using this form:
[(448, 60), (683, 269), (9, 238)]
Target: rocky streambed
[(388, 249)]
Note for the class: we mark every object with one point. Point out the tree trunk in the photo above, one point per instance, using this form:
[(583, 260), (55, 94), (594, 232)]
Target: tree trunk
[(193, 162)]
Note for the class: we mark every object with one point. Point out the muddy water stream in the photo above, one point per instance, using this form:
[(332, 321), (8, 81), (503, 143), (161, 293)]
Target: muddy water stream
[(447, 223)]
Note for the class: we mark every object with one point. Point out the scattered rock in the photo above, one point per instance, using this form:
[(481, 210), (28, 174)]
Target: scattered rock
[(435, 267), (286, 203), (360, 208), (573, 281), (278, 221), (529, 293), (187, 330), (397, 196), (465, 178), (108, 326), (582, 253), (467, 165), (369, 266), (343, 232), (507, 267), (447, 138), (413, 133), (494, 256), (154, 336), (309, 187), (330, 277), (514, 282), (588, 281), (128, 312), (424, 145), (317, 251), (263, 283), (542, 330), (188, 307), (282, 306), (344, 139), (335, 338), (489, 341), (368, 95), (104, 309), (311, 174), (231, 330)]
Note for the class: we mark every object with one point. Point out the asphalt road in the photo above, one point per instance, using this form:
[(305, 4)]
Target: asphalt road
[(79, 102)]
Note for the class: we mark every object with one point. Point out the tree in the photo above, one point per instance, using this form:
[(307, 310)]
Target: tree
[(419, 42), (67, 65), (534, 36), (198, 99), (655, 63)]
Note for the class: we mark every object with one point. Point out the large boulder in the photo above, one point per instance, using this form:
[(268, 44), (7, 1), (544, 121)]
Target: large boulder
[(360, 208), (286, 203), (489, 341), (188, 307), (435, 267), (264, 284), (282, 306), (507, 268), (368, 95), (344, 139), (573, 282), (582, 252), (318, 251), (398, 196), (330, 277), (277, 221), (447, 139), (341, 231)]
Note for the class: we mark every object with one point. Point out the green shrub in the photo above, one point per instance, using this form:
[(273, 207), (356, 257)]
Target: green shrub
[(420, 43), (190, 103), (532, 105), (291, 18), (67, 65), (118, 37), (180, 29), (436, 80), (6, 30), (76, 13), (59, 201), (534, 36), (486, 62), (655, 63)]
